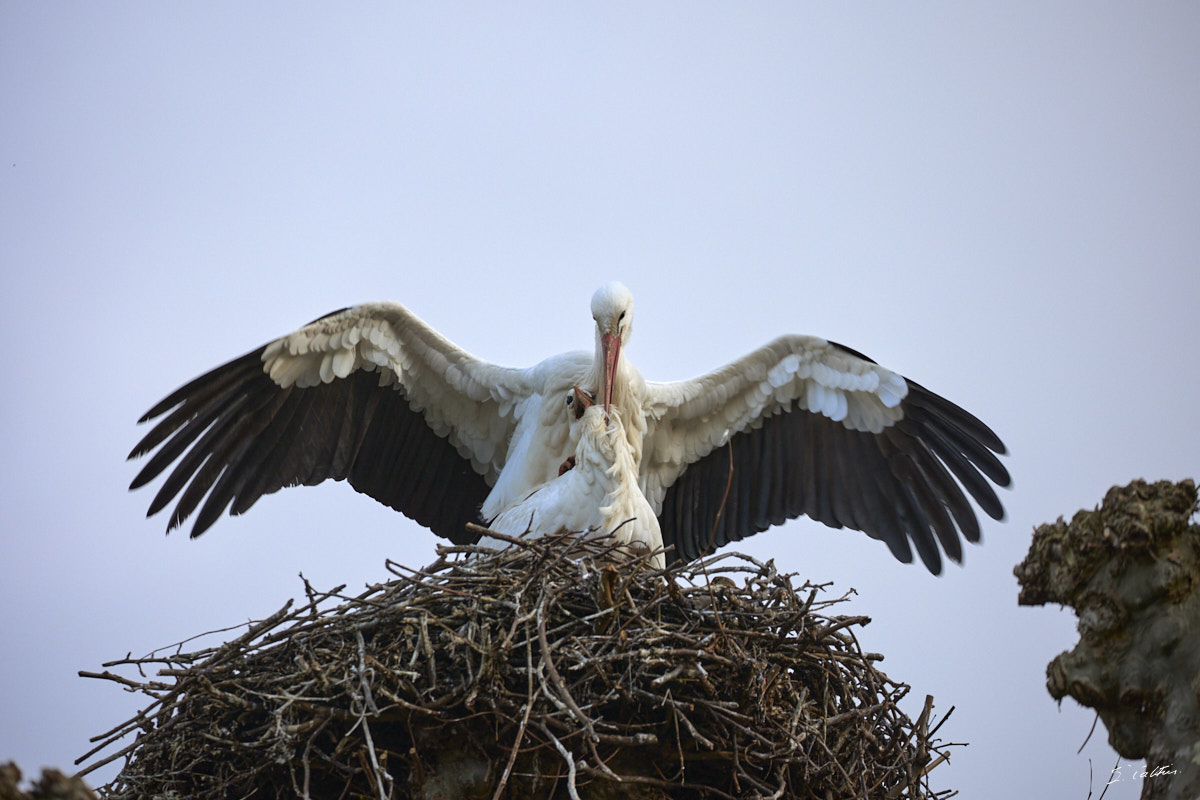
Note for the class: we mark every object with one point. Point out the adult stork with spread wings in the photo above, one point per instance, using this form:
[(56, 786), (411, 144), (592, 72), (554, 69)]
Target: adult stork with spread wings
[(373, 395)]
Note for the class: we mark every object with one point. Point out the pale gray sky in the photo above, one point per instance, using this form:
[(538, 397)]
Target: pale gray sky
[(998, 200)]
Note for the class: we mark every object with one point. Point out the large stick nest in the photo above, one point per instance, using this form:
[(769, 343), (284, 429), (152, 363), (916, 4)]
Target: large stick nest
[(554, 668)]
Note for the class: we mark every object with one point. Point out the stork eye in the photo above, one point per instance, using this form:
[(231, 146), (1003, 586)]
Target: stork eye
[(578, 402), (621, 317)]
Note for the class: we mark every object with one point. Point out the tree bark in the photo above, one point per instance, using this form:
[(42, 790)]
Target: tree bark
[(1131, 571)]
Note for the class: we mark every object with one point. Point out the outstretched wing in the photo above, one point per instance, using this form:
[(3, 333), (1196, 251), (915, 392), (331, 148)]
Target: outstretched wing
[(813, 428), (369, 394)]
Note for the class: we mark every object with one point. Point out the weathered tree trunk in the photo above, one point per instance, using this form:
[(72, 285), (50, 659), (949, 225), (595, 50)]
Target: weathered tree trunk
[(53, 785), (1131, 571)]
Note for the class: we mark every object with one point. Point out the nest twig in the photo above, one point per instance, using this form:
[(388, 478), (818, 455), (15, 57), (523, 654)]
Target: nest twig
[(555, 668)]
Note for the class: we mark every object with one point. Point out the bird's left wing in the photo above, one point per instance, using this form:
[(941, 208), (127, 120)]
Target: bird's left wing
[(371, 394), (803, 426)]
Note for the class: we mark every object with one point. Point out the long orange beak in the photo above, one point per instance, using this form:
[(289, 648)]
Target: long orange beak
[(611, 345)]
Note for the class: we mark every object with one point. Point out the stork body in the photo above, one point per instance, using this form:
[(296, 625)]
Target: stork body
[(599, 494), (373, 395)]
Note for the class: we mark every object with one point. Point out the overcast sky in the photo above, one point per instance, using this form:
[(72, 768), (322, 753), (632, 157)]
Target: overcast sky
[(1001, 201)]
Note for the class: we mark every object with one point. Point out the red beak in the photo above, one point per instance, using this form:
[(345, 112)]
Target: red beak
[(611, 345)]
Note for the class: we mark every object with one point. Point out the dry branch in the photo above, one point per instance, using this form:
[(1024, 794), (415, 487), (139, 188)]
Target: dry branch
[(554, 668)]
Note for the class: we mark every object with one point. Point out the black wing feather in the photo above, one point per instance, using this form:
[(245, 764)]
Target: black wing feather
[(898, 486), (233, 436)]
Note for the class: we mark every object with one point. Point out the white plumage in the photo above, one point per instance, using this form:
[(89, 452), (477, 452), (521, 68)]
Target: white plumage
[(373, 395), (598, 495)]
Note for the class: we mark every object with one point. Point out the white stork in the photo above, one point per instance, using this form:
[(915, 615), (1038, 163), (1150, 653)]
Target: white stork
[(373, 395), (598, 492)]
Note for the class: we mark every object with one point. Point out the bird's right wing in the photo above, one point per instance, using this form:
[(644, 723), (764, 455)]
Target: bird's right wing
[(369, 394)]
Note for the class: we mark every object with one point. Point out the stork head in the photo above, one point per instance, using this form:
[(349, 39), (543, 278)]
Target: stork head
[(601, 436), (612, 308)]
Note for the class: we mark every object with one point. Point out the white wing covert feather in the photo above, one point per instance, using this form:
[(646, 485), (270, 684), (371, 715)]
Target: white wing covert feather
[(465, 399), (689, 419)]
